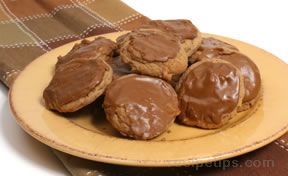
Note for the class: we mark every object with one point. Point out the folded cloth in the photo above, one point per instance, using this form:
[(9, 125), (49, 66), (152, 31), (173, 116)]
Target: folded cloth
[(30, 28)]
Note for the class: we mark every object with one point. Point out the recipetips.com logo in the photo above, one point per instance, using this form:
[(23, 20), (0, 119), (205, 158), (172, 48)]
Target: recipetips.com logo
[(224, 164)]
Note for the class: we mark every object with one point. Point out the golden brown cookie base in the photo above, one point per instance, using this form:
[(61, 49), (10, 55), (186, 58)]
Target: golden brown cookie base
[(191, 46)]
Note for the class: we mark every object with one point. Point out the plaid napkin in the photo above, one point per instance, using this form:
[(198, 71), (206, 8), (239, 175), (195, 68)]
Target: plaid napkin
[(30, 28)]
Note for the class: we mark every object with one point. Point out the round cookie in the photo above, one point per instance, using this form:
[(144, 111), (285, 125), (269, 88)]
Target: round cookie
[(99, 47), (187, 31), (77, 84), (140, 107), (209, 93), (154, 53), (248, 69), (207, 45)]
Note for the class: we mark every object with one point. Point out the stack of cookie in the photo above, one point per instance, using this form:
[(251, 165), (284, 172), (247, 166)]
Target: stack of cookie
[(153, 74)]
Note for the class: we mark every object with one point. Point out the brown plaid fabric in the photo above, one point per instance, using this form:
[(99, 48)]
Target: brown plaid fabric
[(29, 28)]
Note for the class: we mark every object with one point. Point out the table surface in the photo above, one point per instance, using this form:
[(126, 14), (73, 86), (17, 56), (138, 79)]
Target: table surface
[(256, 22)]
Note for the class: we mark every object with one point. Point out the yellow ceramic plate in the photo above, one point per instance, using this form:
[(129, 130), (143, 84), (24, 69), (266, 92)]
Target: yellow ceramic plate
[(91, 137)]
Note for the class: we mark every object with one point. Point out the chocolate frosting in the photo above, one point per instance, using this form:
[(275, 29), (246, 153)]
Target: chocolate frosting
[(248, 69), (210, 43), (209, 53), (150, 104), (74, 80), (207, 47), (183, 28), (209, 92), (152, 46), (100, 47)]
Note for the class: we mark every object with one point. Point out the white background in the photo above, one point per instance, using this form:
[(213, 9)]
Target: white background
[(259, 22)]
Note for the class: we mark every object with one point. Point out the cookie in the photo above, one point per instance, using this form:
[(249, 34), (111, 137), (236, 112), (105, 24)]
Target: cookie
[(77, 84), (248, 69), (153, 52), (209, 93), (140, 107), (100, 47), (187, 31), (207, 45)]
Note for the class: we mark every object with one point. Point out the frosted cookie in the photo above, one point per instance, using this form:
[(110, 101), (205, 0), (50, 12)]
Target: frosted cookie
[(187, 31), (77, 84), (154, 53), (248, 69), (100, 47), (209, 93), (140, 107), (208, 45)]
